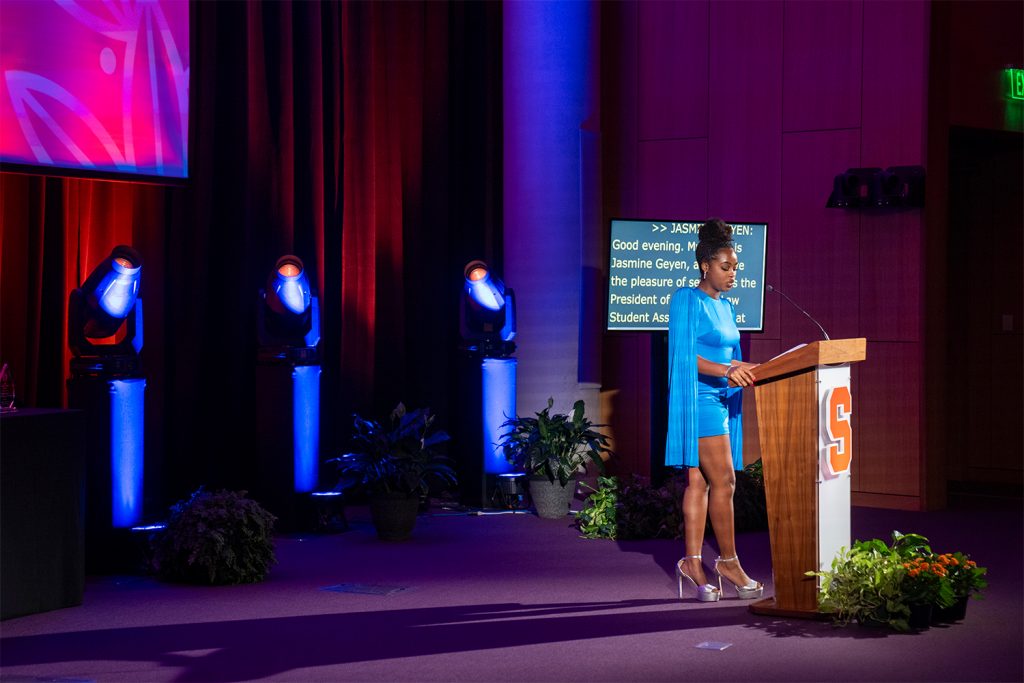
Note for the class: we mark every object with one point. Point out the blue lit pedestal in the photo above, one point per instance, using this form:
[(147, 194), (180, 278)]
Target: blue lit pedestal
[(288, 428), (305, 427), (498, 403), (115, 464), (488, 399), (127, 450)]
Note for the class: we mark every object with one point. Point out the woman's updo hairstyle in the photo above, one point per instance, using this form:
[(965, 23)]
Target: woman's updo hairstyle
[(714, 235)]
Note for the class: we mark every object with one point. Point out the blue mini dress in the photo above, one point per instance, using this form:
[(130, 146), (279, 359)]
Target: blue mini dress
[(701, 405), (717, 336)]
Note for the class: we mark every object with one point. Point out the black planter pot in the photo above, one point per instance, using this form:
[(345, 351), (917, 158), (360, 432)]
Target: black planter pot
[(877, 619), (947, 615), (870, 622), (920, 616), (394, 515)]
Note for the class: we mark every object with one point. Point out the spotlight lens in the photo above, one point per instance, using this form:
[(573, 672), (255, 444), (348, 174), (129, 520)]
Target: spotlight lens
[(288, 290), (289, 270), (477, 274), (293, 294), (117, 291)]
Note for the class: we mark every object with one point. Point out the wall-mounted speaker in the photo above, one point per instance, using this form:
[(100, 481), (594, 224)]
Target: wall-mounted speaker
[(872, 187)]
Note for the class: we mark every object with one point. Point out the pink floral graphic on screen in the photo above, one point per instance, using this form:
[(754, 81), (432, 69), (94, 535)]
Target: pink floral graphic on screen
[(97, 85)]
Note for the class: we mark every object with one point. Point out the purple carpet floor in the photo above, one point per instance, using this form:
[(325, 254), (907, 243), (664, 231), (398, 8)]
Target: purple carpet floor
[(511, 598)]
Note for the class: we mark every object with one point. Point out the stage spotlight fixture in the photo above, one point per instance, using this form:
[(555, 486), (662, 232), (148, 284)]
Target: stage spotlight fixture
[(487, 326), (289, 314), (288, 387), (487, 319), (105, 338), (105, 316), (288, 288)]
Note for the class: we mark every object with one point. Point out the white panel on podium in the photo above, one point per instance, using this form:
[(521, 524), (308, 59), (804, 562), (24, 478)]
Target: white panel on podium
[(835, 450)]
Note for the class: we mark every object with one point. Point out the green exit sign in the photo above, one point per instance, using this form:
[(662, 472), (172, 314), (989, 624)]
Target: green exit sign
[(1016, 77)]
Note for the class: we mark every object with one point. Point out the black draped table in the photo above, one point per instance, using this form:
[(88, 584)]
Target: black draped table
[(42, 510)]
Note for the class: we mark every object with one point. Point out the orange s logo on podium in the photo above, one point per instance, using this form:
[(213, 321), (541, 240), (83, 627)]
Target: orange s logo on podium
[(840, 431)]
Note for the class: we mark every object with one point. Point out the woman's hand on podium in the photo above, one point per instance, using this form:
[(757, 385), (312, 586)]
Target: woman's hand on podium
[(740, 374)]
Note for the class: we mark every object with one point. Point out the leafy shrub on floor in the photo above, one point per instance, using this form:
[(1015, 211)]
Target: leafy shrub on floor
[(215, 538), (634, 509), (631, 510), (651, 511), (894, 584), (748, 503), (597, 519)]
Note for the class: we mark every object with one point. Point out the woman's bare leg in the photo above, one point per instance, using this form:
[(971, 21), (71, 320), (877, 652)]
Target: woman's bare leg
[(695, 514), (716, 464)]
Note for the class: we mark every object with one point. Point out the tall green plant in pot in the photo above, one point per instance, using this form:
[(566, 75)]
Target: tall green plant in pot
[(552, 448), (395, 466)]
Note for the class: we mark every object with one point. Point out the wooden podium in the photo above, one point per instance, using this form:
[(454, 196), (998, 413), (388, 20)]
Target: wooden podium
[(804, 405)]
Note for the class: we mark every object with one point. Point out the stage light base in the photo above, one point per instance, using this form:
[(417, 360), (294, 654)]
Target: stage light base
[(508, 491), (328, 512), (105, 367)]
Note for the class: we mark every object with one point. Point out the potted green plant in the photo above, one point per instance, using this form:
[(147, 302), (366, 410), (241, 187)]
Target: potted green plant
[(214, 538), (598, 518), (632, 509), (395, 466), (864, 585), (552, 448), (966, 580), (925, 587), (898, 584)]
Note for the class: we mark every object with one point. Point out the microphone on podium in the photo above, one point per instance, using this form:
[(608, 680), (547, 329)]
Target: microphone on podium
[(773, 289)]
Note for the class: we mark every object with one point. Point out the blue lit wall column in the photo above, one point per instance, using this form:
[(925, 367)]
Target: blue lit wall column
[(550, 75)]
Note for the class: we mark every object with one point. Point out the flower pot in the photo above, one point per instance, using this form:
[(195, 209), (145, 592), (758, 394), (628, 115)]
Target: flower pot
[(394, 515), (550, 498), (920, 615), (955, 612), (877, 618)]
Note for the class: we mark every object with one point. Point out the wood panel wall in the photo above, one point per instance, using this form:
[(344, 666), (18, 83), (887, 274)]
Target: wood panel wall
[(747, 110), (977, 132)]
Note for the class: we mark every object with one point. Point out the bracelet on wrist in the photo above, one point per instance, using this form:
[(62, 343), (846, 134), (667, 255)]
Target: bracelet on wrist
[(728, 371)]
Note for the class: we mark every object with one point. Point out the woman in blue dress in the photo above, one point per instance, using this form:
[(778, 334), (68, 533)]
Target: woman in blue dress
[(706, 380)]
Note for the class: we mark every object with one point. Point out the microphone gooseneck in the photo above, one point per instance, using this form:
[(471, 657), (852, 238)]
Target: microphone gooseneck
[(783, 294)]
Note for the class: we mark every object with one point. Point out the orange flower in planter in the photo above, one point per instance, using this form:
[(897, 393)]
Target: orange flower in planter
[(926, 583), (965, 576)]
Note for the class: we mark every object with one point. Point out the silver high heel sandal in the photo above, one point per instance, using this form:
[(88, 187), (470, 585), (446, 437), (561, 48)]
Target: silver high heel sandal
[(751, 591), (706, 593)]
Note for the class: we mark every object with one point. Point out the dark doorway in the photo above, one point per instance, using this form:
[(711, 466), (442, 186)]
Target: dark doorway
[(986, 307)]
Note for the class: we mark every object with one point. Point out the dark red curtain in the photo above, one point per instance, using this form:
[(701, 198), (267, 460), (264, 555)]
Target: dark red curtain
[(362, 137)]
